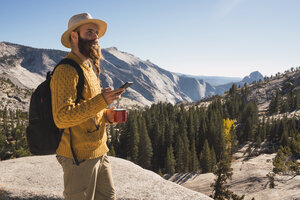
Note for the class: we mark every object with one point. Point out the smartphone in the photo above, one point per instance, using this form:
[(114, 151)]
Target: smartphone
[(126, 85)]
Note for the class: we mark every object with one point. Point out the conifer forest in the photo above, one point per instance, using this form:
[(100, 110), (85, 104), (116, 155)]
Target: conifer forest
[(170, 138)]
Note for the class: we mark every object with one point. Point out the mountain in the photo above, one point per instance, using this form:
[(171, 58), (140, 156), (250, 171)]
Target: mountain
[(26, 67), (253, 77), (12, 96), (214, 80), (41, 177), (263, 91), (222, 84)]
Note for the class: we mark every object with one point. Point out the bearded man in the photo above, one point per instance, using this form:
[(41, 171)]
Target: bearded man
[(91, 177)]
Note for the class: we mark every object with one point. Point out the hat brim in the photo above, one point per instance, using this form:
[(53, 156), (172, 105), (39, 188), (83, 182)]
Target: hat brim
[(65, 38)]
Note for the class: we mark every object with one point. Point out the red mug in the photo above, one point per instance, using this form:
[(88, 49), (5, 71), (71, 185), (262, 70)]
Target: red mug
[(120, 115)]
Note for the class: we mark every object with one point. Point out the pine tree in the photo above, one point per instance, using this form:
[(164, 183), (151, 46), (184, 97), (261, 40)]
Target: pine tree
[(213, 158), (134, 138), (212, 128), (18, 137), (282, 160), (196, 122), (202, 133), (187, 158), (296, 101), (234, 141), (219, 140), (162, 127), (122, 149), (191, 127), (185, 140), (258, 140), (2, 144), (290, 100), (268, 128), (163, 151), (284, 107), (156, 144), (145, 146), (233, 102), (293, 129), (170, 134), (284, 140), (194, 158), (112, 142), (179, 154), (206, 158), (223, 172), (147, 114), (295, 145), (170, 161), (264, 129), (275, 103), (274, 133), (249, 121)]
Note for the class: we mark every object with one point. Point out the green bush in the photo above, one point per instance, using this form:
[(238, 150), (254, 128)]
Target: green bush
[(284, 163)]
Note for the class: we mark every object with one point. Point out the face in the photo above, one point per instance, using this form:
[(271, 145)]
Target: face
[(88, 41), (88, 32)]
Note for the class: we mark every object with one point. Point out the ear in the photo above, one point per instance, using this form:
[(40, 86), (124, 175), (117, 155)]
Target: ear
[(74, 36)]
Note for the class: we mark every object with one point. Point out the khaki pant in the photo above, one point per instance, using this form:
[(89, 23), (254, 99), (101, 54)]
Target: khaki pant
[(91, 180)]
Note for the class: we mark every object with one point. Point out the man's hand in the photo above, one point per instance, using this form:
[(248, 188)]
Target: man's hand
[(110, 115), (110, 95)]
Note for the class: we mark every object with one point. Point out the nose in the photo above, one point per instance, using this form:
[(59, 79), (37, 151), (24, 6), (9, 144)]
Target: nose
[(94, 36)]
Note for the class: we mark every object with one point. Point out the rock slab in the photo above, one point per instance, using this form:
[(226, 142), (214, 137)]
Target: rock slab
[(41, 177)]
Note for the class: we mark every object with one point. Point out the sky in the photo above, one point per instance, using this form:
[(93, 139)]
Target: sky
[(198, 37)]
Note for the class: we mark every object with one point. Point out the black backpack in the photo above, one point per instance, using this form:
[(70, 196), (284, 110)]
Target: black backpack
[(42, 134)]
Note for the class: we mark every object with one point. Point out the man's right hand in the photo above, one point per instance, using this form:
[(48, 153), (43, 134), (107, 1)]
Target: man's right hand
[(111, 95)]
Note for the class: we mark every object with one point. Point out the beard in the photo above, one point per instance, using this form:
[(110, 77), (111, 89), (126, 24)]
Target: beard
[(90, 49)]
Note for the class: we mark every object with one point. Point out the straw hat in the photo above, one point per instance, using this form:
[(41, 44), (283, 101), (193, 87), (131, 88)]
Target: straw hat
[(78, 20)]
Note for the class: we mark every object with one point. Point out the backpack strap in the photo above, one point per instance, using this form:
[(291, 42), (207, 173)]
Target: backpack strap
[(80, 84), (79, 88), (77, 162)]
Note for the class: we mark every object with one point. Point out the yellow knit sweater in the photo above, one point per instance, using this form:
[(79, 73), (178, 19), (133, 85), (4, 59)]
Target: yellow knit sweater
[(87, 119)]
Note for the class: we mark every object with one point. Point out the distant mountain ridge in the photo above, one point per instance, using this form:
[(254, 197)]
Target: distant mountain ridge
[(254, 76), (214, 80), (27, 67)]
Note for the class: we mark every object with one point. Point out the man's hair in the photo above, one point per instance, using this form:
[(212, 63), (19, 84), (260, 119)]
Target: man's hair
[(96, 56)]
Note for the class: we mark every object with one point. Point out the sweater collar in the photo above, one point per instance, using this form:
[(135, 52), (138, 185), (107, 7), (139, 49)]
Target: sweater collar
[(74, 57)]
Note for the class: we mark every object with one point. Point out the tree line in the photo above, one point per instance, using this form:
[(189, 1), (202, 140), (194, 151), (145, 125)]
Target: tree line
[(170, 138), (283, 104)]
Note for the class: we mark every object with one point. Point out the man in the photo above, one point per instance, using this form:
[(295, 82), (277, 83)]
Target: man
[(92, 178)]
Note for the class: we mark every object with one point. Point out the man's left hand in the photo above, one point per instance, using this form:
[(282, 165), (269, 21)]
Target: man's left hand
[(110, 114)]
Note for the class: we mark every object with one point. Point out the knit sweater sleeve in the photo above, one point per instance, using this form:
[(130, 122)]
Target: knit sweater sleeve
[(63, 92), (106, 117)]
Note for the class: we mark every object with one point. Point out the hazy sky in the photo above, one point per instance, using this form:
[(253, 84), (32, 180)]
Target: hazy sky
[(199, 37)]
